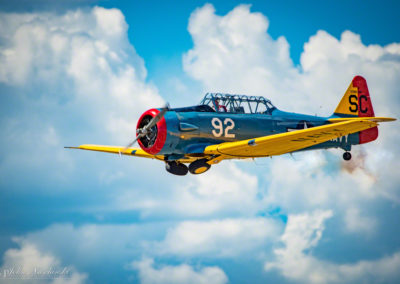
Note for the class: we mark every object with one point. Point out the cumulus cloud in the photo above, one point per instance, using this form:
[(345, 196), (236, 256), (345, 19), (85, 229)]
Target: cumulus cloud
[(296, 261), (67, 79), (314, 183), (149, 274), (28, 263), (356, 222), (234, 53), (224, 190), (83, 57), (219, 238), (85, 245)]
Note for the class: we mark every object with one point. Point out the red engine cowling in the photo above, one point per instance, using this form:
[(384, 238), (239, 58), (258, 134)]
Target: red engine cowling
[(154, 141)]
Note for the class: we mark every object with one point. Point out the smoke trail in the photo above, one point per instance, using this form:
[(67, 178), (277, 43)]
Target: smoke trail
[(358, 161)]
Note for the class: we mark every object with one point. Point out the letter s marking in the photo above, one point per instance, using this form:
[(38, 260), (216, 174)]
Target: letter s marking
[(353, 103)]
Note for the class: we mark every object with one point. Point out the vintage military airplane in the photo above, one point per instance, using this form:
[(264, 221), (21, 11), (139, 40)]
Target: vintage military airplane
[(225, 126)]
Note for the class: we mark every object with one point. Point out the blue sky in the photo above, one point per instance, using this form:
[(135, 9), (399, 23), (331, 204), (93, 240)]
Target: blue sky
[(76, 72)]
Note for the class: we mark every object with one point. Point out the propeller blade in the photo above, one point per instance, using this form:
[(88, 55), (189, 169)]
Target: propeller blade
[(133, 142), (157, 118)]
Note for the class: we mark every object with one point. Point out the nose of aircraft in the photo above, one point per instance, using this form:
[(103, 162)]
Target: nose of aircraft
[(153, 138)]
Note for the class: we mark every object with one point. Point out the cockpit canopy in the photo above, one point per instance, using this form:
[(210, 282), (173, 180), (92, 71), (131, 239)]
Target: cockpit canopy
[(237, 103)]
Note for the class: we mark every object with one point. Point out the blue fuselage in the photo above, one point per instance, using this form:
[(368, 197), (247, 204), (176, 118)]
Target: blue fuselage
[(189, 132)]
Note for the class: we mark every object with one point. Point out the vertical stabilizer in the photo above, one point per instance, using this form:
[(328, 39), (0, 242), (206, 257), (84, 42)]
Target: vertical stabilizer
[(356, 102)]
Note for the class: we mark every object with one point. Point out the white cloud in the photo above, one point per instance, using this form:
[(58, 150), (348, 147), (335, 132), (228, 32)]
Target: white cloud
[(313, 184), (356, 222), (330, 64), (28, 263), (219, 238), (234, 53), (224, 190), (83, 56), (86, 245), (296, 261), (149, 274), (75, 79)]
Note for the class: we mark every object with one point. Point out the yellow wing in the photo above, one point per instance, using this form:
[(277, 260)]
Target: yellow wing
[(118, 150), (137, 152), (271, 145), (374, 119), (287, 142)]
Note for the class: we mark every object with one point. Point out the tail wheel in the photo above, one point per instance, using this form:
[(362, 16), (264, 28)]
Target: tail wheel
[(176, 168), (347, 156), (199, 167)]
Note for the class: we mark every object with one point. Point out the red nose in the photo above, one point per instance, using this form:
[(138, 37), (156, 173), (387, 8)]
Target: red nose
[(154, 139)]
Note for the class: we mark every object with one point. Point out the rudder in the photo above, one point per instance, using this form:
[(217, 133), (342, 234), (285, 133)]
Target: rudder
[(356, 102)]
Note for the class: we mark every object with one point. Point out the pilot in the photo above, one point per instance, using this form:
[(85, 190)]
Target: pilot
[(220, 108)]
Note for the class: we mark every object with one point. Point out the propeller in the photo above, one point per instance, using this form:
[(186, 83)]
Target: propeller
[(147, 129)]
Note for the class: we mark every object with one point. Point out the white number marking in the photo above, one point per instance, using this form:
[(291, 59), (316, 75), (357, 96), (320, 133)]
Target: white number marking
[(217, 124), (229, 126)]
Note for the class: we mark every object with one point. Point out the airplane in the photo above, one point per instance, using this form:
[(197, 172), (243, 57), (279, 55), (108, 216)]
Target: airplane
[(227, 126)]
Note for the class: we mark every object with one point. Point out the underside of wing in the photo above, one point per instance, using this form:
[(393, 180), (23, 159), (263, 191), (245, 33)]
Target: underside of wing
[(287, 142), (118, 150)]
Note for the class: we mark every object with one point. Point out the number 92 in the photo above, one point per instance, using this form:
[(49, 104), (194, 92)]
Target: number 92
[(219, 127)]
